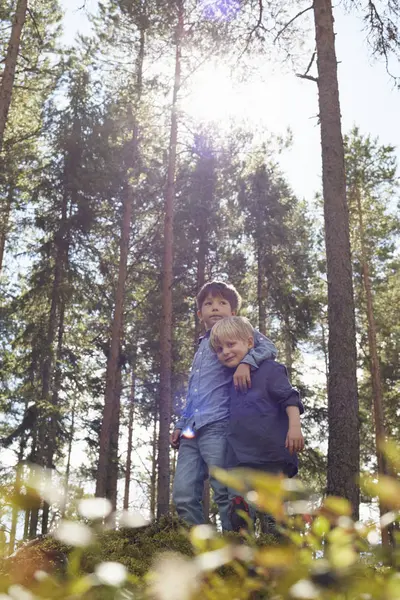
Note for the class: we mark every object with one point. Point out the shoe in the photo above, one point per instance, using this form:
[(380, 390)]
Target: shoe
[(238, 522)]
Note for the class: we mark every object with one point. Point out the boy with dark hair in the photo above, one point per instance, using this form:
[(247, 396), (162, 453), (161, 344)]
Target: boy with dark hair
[(200, 433), (264, 429)]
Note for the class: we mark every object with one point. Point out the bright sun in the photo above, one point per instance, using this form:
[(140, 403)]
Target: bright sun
[(212, 95)]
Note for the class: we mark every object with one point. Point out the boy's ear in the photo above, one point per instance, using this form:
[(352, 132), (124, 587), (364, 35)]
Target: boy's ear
[(199, 315), (250, 342)]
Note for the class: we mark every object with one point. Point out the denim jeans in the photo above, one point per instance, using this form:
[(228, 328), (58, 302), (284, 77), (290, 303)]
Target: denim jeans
[(206, 449)]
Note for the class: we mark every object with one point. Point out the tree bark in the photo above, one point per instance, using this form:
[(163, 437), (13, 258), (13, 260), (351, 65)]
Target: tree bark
[(10, 64), (288, 347), (261, 292), (54, 415), (17, 489), (111, 401), (128, 467), (343, 447), (166, 321), (68, 466), (153, 478), (4, 223), (377, 391)]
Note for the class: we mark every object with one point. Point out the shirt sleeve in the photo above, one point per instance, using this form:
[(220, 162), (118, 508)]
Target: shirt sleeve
[(281, 390), (263, 349), (180, 422)]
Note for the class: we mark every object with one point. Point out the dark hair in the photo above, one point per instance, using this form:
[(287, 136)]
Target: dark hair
[(219, 288)]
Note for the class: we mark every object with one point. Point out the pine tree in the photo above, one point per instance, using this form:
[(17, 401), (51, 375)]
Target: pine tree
[(371, 180), (343, 448)]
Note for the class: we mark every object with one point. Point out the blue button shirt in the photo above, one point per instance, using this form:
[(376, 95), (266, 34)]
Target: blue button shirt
[(208, 395)]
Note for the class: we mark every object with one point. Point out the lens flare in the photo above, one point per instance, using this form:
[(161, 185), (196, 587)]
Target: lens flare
[(220, 10), (188, 433)]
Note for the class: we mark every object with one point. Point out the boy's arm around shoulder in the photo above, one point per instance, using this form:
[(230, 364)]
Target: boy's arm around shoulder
[(262, 350)]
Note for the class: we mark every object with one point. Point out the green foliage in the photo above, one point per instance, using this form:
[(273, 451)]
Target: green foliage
[(321, 553)]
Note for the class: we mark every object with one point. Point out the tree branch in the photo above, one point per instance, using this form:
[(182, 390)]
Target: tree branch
[(310, 64), (299, 14), (35, 25), (309, 77), (254, 29)]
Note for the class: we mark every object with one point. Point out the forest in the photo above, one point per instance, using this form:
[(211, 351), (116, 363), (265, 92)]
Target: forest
[(117, 205)]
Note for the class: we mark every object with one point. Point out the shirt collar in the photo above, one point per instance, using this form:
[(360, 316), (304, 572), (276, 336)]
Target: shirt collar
[(205, 336)]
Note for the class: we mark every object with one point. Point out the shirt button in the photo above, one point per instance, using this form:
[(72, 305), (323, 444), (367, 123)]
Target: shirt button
[(195, 389), (197, 370), (197, 410)]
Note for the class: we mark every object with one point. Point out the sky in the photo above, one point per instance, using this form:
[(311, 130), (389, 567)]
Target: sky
[(277, 100)]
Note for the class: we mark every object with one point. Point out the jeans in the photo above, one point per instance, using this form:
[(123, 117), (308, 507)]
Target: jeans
[(206, 449)]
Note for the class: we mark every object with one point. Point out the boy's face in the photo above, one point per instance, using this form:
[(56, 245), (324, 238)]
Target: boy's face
[(232, 352), (213, 309)]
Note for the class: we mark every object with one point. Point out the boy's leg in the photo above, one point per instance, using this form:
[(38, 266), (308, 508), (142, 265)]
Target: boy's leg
[(212, 446), (188, 482)]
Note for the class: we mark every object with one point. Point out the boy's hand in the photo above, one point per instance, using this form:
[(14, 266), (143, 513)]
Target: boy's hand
[(175, 438), (294, 440), (241, 378)]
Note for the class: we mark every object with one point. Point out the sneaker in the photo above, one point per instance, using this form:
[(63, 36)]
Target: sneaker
[(238, 522)]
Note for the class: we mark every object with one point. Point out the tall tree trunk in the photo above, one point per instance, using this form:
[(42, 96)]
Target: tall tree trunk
[(48, 415), (261, 291), (10, 64), (153, 478), (166, 321), (288, 347), (201, 276), (17, 489), (344, 446), (128, 466), (111, 400), (377, 391), (54, 416), (4, 222), (113, 472), (27, 523), (69, 452)]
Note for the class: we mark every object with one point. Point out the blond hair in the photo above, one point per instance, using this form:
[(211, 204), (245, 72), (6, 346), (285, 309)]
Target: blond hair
[(230, 329)]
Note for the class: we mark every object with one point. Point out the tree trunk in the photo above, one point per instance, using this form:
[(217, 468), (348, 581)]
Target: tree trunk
[(4, 223), (201, 276), (48, 415), (54, 416), (343, 447), (27, 523), (113, 464), (128, 466), (111, 402), (17, 489), (288, 347), (153, 479), (68, 466), (10, 64), (261, 292), (166, 321), (380, 433)]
